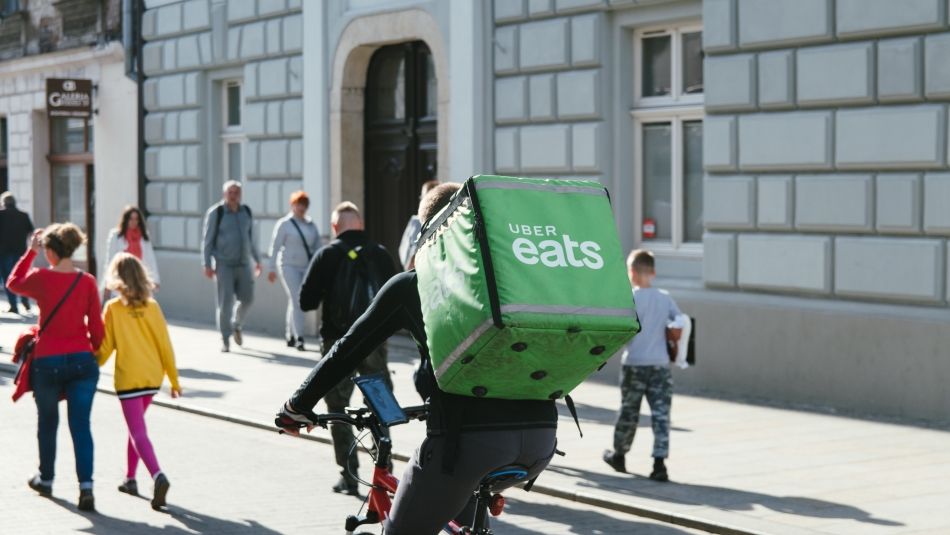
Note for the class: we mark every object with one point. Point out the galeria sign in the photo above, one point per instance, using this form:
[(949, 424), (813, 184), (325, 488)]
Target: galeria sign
[(68, 97)]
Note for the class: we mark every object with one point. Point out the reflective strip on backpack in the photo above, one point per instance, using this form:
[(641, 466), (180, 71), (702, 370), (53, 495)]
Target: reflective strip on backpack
[(480, 185), (463, 347), (580, 311)]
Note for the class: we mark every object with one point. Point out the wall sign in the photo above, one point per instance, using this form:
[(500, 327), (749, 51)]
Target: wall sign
[(68, 97)]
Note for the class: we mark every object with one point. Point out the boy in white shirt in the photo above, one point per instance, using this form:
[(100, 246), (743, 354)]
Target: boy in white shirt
[(646, 368)]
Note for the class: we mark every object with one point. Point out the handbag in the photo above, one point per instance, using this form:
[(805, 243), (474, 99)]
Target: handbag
[(26, 342)]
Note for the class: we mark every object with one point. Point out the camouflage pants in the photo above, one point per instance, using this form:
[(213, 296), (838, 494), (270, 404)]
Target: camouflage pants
[(657, 383), (338, 399)]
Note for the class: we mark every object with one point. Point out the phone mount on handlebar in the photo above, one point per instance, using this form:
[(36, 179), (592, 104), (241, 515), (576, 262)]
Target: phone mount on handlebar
[(381, 400)]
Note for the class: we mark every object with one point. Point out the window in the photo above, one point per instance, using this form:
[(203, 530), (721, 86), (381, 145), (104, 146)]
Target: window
[(668, 144), (72, 180), (232, 130)]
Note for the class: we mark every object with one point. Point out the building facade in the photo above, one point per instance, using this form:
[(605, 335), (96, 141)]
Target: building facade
[(67, 168), (785, 159)]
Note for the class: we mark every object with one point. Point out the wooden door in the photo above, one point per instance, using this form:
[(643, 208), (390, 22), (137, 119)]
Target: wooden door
[(400, 144)]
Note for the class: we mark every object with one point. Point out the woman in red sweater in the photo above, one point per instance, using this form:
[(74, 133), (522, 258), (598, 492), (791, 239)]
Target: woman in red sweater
[(63, 360)]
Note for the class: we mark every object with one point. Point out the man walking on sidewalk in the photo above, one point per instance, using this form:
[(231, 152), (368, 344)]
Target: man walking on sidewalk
[(229, 240), (15, 230), (345, 275)]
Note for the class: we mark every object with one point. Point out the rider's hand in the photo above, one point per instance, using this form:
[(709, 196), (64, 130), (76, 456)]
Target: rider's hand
[(290, 421)]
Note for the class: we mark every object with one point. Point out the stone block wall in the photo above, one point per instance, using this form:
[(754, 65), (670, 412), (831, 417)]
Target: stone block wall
[(825, 147), (191, 46), (550, 88)]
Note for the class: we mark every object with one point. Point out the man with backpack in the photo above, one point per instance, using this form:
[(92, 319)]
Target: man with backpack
[(345, 276), (229, 241)]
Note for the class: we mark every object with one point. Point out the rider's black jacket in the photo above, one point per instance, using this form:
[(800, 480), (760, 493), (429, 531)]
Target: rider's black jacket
[(396, 307)]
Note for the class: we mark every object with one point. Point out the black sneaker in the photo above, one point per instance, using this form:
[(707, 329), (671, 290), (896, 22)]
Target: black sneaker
[(346, 487), (86, 501), (299, 344), (129, 486), (161, 490), (659, 472), (238, 338), (13, 310), (42, 488), (617, 462), (291, 342)]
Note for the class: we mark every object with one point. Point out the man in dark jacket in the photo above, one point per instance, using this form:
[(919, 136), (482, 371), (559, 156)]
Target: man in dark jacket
[(15, 229), (345, 276), (467, 437)]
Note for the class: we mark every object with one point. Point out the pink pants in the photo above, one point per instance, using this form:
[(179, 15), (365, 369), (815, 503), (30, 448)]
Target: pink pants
[(139, 445)]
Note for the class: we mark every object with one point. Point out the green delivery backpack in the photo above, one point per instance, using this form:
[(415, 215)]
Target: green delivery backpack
[(523, 287)]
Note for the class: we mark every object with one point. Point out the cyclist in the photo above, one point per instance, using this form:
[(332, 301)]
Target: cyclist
[(467, 437)]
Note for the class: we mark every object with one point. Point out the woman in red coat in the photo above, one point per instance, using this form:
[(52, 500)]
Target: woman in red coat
[(63, 360)]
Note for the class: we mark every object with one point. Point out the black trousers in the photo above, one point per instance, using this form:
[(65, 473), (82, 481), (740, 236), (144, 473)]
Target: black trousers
[(428, 498)]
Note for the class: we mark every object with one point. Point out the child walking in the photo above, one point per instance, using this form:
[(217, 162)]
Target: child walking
[(135, 329), (646, 369)]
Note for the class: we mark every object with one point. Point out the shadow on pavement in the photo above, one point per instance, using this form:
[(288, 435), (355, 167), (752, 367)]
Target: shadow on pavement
[(608, 416), (274, 358), (193, 521), (189, 373), (575, 520), (717, 497)]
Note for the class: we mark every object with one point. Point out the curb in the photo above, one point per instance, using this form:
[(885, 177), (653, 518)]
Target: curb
[(669, 517)]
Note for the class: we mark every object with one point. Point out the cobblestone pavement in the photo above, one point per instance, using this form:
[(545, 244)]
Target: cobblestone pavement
[(737, 468), (226, 478)]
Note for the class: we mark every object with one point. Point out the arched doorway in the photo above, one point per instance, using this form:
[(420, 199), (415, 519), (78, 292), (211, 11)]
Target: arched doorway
[(400, 143)]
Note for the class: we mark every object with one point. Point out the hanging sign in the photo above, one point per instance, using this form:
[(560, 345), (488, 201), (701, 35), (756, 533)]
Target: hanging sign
[(649, 229), (68, 97)]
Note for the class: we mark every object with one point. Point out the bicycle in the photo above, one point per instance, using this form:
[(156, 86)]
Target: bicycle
[(384, 413)]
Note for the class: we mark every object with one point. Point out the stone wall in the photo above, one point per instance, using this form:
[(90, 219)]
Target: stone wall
[(549, 88), (192, 46), (826, 148)]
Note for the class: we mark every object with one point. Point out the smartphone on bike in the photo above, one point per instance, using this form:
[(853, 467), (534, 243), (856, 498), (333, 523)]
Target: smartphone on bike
[(381, 399)]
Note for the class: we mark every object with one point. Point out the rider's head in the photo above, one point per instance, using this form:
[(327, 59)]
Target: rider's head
[(346, 216), (436, 199)]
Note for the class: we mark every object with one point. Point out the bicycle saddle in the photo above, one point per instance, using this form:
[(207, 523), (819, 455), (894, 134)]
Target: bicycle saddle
[(506, 473)]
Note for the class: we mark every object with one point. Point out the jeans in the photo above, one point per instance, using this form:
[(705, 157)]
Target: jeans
[(75, 375), (7, 262)]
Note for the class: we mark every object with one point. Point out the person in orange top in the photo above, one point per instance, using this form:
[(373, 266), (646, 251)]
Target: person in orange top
[(62, 360), (136, 331)]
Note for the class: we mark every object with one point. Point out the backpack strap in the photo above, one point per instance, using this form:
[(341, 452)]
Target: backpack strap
[(573, 410), (59, 304), (218, 214), (302, 238)]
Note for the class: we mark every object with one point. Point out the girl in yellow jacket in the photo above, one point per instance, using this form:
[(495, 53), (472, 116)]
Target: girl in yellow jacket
[(136, 330)]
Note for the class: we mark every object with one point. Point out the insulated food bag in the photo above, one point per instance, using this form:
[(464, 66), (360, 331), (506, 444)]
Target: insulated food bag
[(523, 287)]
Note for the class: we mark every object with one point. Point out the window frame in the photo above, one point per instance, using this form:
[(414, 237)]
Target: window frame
[(676, 109), (232, 134), (225, 101), (676, 66)]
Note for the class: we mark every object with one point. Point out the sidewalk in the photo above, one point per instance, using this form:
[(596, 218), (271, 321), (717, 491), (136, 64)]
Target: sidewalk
[(284, 491), (736, 468)]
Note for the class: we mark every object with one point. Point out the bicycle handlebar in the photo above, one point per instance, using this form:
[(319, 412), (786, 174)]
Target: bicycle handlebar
[(364, 417)]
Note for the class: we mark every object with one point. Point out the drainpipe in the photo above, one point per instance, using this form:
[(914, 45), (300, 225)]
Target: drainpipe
[(132, 11)]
